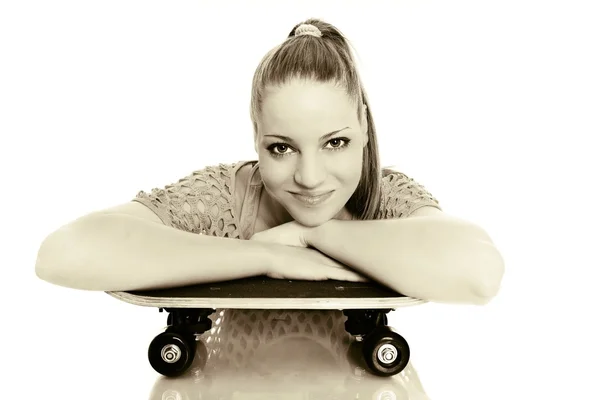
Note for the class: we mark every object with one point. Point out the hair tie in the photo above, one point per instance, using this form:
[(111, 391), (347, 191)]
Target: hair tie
[(308, 29)]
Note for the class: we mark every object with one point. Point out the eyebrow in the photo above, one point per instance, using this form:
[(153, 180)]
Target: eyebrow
[(289, 139)]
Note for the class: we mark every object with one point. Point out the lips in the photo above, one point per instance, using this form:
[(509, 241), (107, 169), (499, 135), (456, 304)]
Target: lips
[(312, 200), (307, 194)]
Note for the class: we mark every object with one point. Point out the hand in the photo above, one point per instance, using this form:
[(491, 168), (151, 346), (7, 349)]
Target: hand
[(291, 262), (289, 234)]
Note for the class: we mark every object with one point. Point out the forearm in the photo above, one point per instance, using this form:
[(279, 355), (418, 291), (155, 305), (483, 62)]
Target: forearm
[(439, 259), (115, 252)]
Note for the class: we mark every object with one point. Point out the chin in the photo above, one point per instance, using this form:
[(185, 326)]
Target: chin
[(310, 223), (311, 219)]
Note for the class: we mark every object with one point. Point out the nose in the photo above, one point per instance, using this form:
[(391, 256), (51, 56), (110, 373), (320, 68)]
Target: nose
[(310, 172)]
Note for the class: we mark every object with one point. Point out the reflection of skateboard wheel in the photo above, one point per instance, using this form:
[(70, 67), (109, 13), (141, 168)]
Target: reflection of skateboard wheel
[(172, 394), (385, 351), (375, 389), (177, 389), (171, 353)]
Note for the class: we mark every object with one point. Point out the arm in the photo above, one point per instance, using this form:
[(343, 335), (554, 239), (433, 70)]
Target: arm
[(428, 255), (155, 241), (114, 251)]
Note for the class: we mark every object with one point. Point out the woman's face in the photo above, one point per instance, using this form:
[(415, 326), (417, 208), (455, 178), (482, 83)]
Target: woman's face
[(295, 156)]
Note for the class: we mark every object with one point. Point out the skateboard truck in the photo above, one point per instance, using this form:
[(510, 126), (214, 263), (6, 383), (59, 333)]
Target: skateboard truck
[(172, 352)]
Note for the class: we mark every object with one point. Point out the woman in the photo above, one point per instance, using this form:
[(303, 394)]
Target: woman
[(316, 204)]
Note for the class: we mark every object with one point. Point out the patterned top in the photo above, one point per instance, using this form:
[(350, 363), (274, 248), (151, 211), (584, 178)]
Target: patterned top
[(204, 203)]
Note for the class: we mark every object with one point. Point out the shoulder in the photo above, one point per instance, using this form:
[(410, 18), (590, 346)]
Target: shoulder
[(401, 195), (242, 175), (215, 179), (196, 201)]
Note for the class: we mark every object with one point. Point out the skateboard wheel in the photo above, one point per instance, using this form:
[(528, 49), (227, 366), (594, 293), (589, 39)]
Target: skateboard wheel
[(386, 353), (171, 354)]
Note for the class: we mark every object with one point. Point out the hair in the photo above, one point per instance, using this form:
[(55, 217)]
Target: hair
[(324, 59)]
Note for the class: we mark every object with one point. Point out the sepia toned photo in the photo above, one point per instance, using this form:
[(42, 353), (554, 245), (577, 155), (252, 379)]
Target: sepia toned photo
[(289, 200)]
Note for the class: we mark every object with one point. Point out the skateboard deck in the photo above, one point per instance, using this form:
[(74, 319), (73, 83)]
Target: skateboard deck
[(268, 293), (365, 304)]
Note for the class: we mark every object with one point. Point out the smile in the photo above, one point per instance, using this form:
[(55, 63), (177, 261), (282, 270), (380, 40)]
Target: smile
[(312, 200)]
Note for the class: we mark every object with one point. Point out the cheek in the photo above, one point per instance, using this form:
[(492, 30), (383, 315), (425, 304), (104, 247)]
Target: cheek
[(273, 174), (347, 173), (350, 165)]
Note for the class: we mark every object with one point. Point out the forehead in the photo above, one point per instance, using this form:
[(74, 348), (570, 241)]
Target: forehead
[(306, 104)]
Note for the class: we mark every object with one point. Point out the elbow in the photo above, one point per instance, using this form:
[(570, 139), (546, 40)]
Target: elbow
[(54, 262), (489, 278), (62, 255), (50, 265), (485, 292)]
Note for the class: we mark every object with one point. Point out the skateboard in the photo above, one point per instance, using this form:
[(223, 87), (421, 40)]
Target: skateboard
[(365, 304)]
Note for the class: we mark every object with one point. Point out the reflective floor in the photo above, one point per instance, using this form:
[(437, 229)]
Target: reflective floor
[(256, 354)]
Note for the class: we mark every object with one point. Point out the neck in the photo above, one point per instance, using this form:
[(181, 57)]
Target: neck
[(277, 215)]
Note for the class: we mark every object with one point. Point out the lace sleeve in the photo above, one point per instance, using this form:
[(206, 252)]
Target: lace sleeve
[(199, 203), (401, 195)]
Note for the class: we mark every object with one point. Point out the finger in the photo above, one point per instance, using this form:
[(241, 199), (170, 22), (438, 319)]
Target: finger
[(336, 264), (360, 278), (347, 275), (355, 278)]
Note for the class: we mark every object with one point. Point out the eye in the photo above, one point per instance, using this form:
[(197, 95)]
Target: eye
[(338, 140), (279, 149)]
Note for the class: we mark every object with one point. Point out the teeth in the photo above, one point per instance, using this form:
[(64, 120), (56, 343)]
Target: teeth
[(312, 200)]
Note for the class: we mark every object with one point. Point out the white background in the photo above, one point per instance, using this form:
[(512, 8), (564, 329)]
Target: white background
[(493, 106)]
